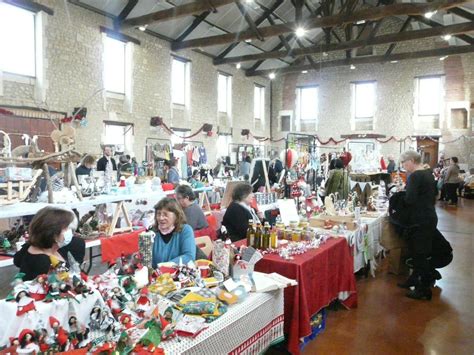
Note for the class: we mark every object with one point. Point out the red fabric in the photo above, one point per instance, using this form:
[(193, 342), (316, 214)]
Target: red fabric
[(166, 186), (346, 158), (321, 274), (209, 231), (114, 246), (383, 166), (211, 221)]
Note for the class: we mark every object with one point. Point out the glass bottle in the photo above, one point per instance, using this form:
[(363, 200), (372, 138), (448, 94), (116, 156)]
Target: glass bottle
[(266, 236), (250, 233), (273, 238), (258, 236)]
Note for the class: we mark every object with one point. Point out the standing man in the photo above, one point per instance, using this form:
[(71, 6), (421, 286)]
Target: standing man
[(106, 159)]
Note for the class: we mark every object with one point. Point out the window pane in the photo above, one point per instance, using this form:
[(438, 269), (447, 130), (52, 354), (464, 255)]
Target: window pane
[(114, 61), (309, 103), (429, 96), (222, 93), (178, 77), (114, 134), (365, 100), (17, 40)]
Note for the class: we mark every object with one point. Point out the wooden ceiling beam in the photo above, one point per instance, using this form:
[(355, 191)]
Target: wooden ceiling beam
[(433, 23), (320, 22), (358, 43), (197, 21), (189, 9), (243, 10), (439, 52), (462, 13), (124, 13), (402, 29)]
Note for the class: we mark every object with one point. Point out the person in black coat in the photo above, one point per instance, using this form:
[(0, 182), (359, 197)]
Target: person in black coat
[(420, 199), (51, 235), (239, 212), (102, 162)]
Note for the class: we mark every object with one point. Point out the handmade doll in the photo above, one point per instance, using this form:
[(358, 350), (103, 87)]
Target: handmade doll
[(126, 321), (95, 317), (53, 291), (24, 302), (77, 332), (16, 284), (143, 303), (38, 287), (42, 336), (27, 341), (59, 333)]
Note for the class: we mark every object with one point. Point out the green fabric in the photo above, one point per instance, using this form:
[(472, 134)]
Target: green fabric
[(338, 181)]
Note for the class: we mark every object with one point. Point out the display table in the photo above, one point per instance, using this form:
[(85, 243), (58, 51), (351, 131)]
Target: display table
[(323, 275), (11, 325), (247, 328)]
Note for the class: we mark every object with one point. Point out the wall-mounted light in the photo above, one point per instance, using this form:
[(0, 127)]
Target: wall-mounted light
[(143, 28), (446, 37), (300, 32), (271, 76), (352, 67), (430, 14), (443, 58), (238, 66)]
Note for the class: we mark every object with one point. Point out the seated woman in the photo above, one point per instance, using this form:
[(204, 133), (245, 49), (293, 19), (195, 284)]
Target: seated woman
[(86, 166), (239, 212), (51, 236), (194, 215), (174, 241)]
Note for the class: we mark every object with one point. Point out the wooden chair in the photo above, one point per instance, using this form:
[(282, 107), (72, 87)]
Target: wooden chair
[(205, 244)]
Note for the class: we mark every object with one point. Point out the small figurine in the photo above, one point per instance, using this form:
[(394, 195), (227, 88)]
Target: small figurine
[(126, 321), (95, 316), (53, 291), (38, 288), (143, 302), (59, 333), (17, 283), (27, 341), (24, 302)]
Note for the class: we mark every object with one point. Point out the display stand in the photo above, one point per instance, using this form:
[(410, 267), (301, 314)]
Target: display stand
[(300, 139), (120, 208), (24, 188)]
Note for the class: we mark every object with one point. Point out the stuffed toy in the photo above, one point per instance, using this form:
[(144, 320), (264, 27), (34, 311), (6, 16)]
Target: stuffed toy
[(24, 302), (27, 339)]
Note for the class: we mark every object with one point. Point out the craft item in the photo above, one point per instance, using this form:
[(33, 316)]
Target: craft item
[(145, 246), (221, 257)]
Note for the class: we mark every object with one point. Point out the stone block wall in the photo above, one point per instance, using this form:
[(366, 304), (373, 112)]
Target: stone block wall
[(73, 71)]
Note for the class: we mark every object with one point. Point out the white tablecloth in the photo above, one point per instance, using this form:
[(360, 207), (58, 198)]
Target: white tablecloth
[(11, 325), (247, 328)]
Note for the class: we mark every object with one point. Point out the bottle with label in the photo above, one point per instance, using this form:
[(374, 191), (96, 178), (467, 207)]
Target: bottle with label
[(258, 236), (250, 233), (266, 236), (273, 238)]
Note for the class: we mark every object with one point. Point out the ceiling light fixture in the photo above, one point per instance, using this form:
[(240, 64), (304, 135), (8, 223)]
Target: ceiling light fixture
[(394, 61), (143, 28), (325, 54), (248, 41), (300, 32), (443, 58), (271, 76), (304, 71), (446, 37), (352, 67), (361, 22), (430, 14), (238, 66)]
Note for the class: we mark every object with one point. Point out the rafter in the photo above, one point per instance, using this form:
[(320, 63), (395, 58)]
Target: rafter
[(328, 21), (249, 20), (434, 23), (189, 9), (462, 13), (197, 21), (358, 43), (402, 29), (124, 13), (439, 52)]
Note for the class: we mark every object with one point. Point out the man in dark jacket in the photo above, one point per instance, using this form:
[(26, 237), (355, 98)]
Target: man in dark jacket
[(106, 159)]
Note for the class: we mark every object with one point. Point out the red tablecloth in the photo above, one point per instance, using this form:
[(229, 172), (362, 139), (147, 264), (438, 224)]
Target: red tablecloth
[(321, 274), (116, 245)]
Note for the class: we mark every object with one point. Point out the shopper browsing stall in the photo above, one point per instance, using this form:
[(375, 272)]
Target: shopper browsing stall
[(51, 238), (452, 181), (174, 241), (338, 180), (194, 214), (420, 198), (171, 172), (106, 160), (86, 165), (239, 212)]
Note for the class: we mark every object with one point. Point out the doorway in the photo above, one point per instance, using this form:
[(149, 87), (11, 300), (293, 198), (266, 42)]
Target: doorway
[(428, 148)]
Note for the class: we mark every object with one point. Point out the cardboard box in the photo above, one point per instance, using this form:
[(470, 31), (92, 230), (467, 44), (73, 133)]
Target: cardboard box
[(396, 261), (389, 238), (318, 221)]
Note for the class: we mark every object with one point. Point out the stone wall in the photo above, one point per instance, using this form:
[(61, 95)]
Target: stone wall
[(73, 71), (395, 96)]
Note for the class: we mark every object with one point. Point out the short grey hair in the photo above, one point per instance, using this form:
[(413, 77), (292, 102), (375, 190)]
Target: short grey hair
[(411, 155)]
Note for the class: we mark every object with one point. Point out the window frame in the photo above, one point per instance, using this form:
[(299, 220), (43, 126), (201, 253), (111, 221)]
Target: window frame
[(355, 117), (298, 106), (186, 77), (28, 74), (124, 125), (107, 37), (261, 89), (228, 93), (421, 119)]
